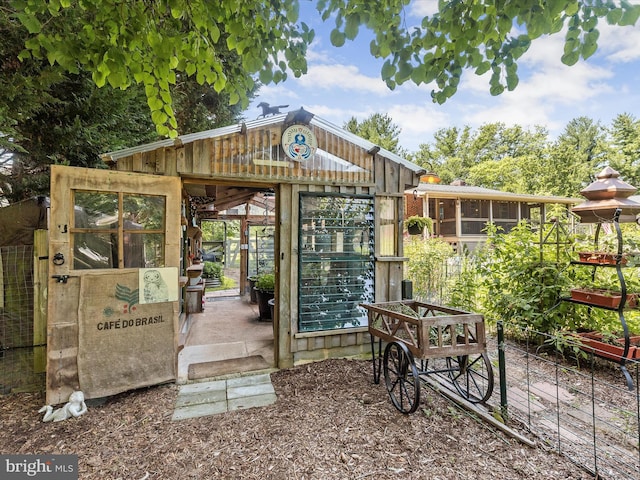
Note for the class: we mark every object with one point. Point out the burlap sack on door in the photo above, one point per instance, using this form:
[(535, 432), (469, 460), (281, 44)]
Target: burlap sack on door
[(122, 345)]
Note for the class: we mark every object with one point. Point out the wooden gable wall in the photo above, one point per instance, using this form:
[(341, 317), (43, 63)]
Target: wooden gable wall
[(257, 154)]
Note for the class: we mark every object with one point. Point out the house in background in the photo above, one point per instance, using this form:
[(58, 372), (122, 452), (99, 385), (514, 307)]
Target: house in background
[(460, 212)]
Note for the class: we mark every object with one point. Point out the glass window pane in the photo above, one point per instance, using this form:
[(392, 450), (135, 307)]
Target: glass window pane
[(388, 236), (95, 210), (335, 262), (95, 250), (144, 211), (143, 250)]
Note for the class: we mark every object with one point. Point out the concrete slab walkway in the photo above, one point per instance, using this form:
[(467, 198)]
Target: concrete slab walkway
[(223, 395)]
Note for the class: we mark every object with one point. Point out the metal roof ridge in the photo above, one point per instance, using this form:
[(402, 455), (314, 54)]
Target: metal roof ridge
[(258, 122), (191, 137), (364, 143)]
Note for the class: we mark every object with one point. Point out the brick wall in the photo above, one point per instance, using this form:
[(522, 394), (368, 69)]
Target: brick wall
[(412, 206)]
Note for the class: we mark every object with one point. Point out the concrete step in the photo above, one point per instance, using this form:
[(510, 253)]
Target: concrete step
[(219, 396)]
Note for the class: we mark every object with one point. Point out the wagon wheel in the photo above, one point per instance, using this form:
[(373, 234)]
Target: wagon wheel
[(401, 377), (472, 376)]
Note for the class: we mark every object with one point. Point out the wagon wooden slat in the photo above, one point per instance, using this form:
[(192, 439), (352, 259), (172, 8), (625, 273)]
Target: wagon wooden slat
[(414, 329)]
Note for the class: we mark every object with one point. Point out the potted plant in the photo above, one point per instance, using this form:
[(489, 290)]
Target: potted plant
[(601, 258), (253, 298), (416, 224), (265, 288), (608, 346), (602, 297)]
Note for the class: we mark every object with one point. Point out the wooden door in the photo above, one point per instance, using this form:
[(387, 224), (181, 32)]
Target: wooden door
[(114, 254)]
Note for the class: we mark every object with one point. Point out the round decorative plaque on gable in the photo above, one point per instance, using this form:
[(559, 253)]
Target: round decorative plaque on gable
[(299, 142)]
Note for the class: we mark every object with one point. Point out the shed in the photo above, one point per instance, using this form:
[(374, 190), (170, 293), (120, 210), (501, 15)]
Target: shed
[(460, 212), (119, 249)]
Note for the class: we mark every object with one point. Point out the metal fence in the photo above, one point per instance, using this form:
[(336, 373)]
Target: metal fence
[(579, 404), (22, 348)]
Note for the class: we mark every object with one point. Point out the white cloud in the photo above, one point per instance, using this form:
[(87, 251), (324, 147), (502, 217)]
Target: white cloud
[(418, 123), (619, 44), (342, 77), (422, 8)]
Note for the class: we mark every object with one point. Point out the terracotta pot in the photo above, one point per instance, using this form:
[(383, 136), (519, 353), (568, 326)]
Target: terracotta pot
[(602, 298), (591, 342), (600, 258)]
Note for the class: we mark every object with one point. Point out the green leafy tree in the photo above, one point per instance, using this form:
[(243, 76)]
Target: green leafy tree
[(509, 158), (50, 116), (494, 156), (625, 147), (449, 155), (152, 42), (574, 159), (379, 129)]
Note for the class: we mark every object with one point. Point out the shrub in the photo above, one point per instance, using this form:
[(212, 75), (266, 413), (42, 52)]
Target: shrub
[(212, 270), (427, 267)]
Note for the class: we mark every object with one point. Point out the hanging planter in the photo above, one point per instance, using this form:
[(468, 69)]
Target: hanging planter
[(416, 224), (602, 298)]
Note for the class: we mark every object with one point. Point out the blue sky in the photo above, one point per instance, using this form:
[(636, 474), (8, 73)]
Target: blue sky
[(345, 82)]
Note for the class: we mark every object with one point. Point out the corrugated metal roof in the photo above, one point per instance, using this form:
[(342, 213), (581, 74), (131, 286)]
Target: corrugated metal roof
[(258, 123), (192, 137), (469, 191), (366, 144)]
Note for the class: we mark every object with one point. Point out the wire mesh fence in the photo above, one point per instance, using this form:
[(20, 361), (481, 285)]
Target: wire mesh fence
[(577, 403), (572, 398), (21, 360)]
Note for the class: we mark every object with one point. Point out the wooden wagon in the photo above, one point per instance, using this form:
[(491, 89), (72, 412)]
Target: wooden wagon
[(414, 330)]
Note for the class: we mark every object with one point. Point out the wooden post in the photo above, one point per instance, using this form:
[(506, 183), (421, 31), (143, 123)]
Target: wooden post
[(40, 279)]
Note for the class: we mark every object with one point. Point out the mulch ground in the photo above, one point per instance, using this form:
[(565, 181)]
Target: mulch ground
[(330, 422)]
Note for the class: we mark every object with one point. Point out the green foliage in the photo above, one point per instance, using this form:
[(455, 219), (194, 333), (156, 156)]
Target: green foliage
[(213, 270), (466, 288), (520, 288), (507, 279), (419, 221), (377, 128), (266, 282), (427, 267), (49, 116), (475, 36), (154, 43), (527, 161), (625, 147)]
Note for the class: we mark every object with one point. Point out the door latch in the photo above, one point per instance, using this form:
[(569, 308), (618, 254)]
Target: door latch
[(61, 278)]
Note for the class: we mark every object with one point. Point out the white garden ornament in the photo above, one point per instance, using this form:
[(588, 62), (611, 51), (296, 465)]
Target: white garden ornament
[(73, 408)]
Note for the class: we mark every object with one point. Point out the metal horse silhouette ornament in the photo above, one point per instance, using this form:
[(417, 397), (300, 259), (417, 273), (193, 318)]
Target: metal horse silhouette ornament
[(269, 110)]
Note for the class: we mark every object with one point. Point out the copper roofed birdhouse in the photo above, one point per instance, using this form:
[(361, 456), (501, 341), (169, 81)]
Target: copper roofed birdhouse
[(604, 196)]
